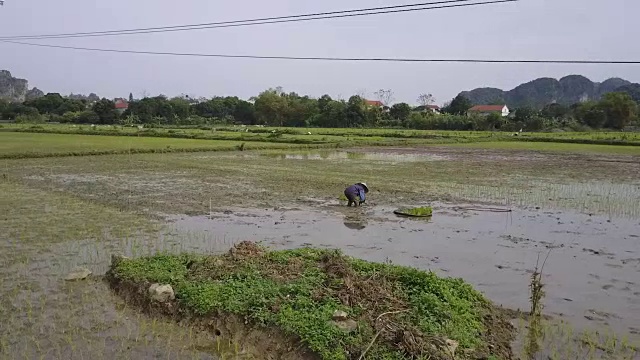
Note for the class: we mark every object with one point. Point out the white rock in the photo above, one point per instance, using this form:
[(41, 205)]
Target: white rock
[(78, 274), (161, 293), (452, 345), (340, 315), (347, 325)]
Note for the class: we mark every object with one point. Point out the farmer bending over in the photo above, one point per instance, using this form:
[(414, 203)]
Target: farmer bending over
[(356, 193)]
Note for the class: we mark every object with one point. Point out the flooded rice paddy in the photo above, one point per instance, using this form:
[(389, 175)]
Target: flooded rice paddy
[(582, 210)]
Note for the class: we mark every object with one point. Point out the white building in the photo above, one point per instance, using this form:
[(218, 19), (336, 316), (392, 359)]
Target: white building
[(488, 109)]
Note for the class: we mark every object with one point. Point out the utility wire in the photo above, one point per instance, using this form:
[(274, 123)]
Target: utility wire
[(270, 20), (320, 58)]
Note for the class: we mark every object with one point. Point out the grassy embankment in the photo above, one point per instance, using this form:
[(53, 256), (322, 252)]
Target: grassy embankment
[(32, 145), (324, 135), (390, 312)]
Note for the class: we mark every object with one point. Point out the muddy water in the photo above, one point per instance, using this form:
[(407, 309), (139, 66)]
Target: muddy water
[(387, 157), (45, 317), (592, 274)]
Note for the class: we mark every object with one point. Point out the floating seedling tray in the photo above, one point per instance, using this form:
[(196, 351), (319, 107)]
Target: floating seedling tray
[(422, 212)]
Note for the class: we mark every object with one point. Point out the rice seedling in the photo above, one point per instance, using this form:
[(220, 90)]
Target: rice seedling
[(423, 211)]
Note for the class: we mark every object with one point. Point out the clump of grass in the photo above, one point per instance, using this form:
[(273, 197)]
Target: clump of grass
[(400, 312), (537, 293), (424, 211)]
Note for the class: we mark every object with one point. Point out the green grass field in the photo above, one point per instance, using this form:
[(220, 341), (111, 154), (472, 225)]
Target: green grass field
[(24, 140), (21, 145), (328, 134)]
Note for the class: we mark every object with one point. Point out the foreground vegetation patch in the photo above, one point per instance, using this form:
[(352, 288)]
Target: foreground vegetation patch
[(338, 307)]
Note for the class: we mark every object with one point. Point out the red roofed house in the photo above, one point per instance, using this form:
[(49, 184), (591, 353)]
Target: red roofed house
[(489, 109), (121, 105), (374, 103)]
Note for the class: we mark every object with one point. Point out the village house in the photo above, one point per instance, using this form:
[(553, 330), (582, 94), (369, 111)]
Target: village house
[(434, 109), (374, 103), (121, 105), (489, 109)]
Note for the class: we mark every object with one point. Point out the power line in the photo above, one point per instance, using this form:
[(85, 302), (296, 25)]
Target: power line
[(320, 58), (270, 20)]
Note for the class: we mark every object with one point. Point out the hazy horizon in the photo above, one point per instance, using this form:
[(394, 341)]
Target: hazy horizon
[(528, 29)]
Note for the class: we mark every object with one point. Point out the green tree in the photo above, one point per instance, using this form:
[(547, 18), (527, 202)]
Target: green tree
[(591, 114), (458, 106), (524, 114), (130, 97), (632, 89), (4, 106), (181, 107), (13, 110), (620, 109), (535, 123), (419, 121), (355, 114), (88, 117), (400, 111), (244, 113), (46, 104), (271, 107), (105, 109), (152, 109), (332, 113), (299, 110), (70, 105), (494, 121), (555, 111)]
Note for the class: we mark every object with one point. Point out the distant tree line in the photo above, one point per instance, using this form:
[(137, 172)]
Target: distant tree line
[(274, 107)]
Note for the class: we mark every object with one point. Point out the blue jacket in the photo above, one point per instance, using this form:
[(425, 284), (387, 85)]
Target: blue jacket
[(357, 190)]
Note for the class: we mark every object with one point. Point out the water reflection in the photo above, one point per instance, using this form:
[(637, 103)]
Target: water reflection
[(353, 155), (355, 222)]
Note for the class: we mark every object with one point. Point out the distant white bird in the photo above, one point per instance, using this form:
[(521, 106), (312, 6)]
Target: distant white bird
[(140, 127), (520, 130), (308, 132)]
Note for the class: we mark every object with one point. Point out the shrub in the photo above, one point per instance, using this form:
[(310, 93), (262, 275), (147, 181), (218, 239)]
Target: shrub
[(30, 118)]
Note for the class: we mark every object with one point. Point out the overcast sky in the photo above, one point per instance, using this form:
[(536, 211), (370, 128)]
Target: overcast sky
[(529, 29)]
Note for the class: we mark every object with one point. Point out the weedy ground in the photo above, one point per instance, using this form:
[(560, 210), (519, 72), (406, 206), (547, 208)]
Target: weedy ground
[(403, 312)]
